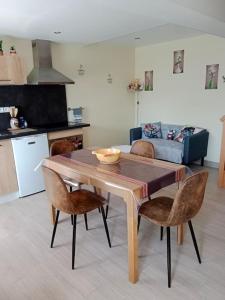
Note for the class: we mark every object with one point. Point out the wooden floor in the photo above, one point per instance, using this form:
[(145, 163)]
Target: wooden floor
[(29, 269)]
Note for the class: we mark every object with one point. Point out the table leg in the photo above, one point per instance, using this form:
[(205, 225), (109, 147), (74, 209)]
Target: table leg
[(180, 234), (52, 214), (132, 239)]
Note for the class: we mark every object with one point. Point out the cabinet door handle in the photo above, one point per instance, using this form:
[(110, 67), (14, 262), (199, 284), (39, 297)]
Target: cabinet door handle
[(31, 143)]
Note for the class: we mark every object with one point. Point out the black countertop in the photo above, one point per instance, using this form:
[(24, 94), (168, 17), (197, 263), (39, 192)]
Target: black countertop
[(6, 134)]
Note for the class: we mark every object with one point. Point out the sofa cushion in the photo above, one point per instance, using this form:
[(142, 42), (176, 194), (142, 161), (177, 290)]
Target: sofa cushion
[(165, 128), (171, 134), (151, 130), (186, 131), (168, 150)]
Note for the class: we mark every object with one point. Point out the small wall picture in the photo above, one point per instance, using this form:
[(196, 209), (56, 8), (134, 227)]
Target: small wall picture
[(178, 62), (211, 80), (148, 80)]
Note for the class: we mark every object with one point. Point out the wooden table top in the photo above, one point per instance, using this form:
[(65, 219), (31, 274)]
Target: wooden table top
[(131, 172)]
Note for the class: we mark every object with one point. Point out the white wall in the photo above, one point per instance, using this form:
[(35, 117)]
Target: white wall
[(108, 107), (182, 98)]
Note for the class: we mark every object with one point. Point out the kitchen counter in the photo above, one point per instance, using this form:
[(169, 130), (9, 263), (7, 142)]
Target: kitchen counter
[(6, 134)]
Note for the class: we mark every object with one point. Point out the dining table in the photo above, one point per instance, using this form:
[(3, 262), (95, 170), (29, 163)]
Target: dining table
[(133, 178)]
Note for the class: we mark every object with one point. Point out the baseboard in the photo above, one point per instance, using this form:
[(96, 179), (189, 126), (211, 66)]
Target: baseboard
[(211, 164), (208, 163), (9, 197)]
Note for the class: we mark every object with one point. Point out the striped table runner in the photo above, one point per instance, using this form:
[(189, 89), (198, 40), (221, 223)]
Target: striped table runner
[(150, 174)]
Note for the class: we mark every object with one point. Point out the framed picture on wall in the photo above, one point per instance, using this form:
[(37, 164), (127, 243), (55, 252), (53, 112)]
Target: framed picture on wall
[(211, 79), (148, 80), (178, 62)]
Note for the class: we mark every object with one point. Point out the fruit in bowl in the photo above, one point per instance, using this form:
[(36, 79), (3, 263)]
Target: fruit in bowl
[(107, 155)]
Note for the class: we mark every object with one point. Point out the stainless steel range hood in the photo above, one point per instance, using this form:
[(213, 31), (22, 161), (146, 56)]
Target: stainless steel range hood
[(43, 72)]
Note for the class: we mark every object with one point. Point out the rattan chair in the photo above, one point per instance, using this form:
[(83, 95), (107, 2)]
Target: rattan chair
[(143, 148), (74, 203), (63, 146), (167, 212)]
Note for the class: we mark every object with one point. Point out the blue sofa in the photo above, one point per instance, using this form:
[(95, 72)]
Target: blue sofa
[(193, 148)]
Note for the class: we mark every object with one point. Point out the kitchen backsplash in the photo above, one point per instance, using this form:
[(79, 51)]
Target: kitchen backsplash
[(39, 104)]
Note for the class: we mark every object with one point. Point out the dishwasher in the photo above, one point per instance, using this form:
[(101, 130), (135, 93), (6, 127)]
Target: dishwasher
[(28, 153)]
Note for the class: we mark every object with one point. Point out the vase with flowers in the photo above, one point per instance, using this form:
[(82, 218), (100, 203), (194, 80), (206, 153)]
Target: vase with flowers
[(135, 85)]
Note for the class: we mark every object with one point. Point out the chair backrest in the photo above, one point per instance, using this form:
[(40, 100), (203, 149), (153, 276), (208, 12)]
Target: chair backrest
[(143, 148), (61, 147), (188, 199), (56, 189)]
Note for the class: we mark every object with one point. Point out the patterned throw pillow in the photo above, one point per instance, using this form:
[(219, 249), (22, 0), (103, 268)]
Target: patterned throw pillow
[(186, 131), (171, 134), (152, 130)]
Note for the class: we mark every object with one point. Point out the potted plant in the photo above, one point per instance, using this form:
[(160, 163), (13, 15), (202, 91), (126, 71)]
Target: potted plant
[(1, 50), (12, 50)]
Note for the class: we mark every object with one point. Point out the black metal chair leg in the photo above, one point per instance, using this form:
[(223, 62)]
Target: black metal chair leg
[(168, 257), (161, 233), (86, 223), (74, 240), (106, 211), (194, 241), (55, 227), (139, 221), (106, 226), (71, 189), (107, 206)]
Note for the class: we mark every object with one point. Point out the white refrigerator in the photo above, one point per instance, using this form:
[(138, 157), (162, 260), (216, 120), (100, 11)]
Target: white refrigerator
[(28, 152)]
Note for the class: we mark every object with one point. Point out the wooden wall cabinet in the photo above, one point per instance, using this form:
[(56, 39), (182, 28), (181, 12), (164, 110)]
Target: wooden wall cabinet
[(8, 179), (221, 182), (12, 70)]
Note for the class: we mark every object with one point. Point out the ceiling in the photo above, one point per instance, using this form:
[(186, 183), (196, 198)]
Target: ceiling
[(93, 21), (159, 34)]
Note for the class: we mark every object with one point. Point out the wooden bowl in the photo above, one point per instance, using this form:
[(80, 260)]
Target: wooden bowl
[(107, 155)]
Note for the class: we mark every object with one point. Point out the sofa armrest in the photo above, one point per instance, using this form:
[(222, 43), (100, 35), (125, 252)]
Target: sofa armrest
[(135, 134), (195, 146)]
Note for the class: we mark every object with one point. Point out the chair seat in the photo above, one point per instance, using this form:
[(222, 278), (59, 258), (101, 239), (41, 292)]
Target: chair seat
[(157, 210), (84, 201)]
